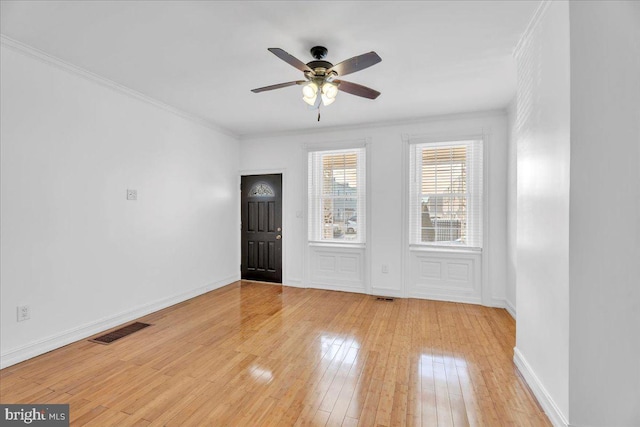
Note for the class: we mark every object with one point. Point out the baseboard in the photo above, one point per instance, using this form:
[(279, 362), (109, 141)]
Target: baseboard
[(383, 292), (294, 283), (341, 288), (446, 297), (45, 345), (545, 400), (510, 308)]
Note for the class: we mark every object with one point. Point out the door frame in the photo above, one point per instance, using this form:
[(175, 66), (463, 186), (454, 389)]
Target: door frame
[(245, 172)]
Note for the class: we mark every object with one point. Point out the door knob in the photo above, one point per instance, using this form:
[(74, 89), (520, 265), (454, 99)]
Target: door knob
[(278, 237)]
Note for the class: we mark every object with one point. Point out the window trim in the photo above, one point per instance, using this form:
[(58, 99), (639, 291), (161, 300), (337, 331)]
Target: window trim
[(410, 142), (458, 130), (363, 237)]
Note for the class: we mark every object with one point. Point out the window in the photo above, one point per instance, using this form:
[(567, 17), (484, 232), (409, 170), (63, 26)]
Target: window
[(446, 194), (337, 195)]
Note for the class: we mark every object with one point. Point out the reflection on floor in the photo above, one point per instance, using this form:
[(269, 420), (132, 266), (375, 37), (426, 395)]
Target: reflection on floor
[(255, 354)]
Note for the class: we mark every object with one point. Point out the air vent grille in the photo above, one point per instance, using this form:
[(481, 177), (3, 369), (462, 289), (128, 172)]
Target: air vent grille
[(112, 336)]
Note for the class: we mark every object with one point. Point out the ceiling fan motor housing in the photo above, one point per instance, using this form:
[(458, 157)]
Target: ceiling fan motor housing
[(319, 67)]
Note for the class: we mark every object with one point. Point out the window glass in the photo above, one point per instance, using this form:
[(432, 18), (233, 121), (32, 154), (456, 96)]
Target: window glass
[(336, 195), (446, 193)]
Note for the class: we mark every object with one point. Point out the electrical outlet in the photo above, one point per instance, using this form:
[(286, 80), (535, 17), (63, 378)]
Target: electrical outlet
[(132, 194), (24, 313)]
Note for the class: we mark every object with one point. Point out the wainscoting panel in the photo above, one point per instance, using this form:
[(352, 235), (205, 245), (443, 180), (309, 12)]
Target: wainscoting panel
[(337, 268), (451, 276)]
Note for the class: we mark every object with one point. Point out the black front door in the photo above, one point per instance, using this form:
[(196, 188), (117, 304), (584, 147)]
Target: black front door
[(261, 234)]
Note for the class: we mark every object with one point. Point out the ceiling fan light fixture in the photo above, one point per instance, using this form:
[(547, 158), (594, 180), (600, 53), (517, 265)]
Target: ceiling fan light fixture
[(329, 93), (309, 92), (330, 89), (326, 100)]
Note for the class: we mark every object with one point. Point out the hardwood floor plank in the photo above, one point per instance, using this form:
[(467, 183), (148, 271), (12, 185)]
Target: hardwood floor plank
[(259, 354), (110, 418), (85, 415), (356, 405), (320, 418), (349, 422), (194, 410)]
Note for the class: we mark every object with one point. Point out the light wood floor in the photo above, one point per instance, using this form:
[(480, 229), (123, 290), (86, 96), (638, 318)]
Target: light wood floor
[(254, 354)]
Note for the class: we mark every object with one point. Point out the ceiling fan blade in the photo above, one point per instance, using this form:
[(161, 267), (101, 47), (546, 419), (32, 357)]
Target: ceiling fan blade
[(278, 86), (356, 63), (289, 59), (356, 89)]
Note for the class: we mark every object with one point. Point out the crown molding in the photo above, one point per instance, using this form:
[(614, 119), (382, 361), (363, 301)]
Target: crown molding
[(88, 75), (500, 112), (531, 26)]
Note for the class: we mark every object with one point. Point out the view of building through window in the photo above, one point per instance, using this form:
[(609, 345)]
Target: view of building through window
[(340, 196), (337, 195), (444, 194)]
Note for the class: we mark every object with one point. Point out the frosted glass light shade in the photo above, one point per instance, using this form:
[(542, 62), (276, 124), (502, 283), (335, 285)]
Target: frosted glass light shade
[(330, 90), (309, 92), (329, 93)]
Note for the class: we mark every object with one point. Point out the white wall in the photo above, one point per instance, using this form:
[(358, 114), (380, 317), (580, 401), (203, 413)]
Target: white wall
[(287, 153), (543, 160), (605, 214), (512, 204), (578, 212), (73, 248)]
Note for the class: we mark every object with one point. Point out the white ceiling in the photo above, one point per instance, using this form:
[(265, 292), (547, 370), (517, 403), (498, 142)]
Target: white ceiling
[(203, 57)]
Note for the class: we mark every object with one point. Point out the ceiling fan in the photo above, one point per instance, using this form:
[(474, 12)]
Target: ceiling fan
[(321, 84)]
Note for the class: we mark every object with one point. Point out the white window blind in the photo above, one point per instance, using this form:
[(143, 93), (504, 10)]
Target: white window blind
[(446, 194), (337, 195)]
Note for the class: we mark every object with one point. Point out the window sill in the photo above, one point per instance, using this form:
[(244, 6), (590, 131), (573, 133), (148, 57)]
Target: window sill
[(444, 249), (342, 245)]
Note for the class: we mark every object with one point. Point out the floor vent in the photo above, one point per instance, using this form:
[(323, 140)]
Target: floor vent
[(385, 299), (119, 333)]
